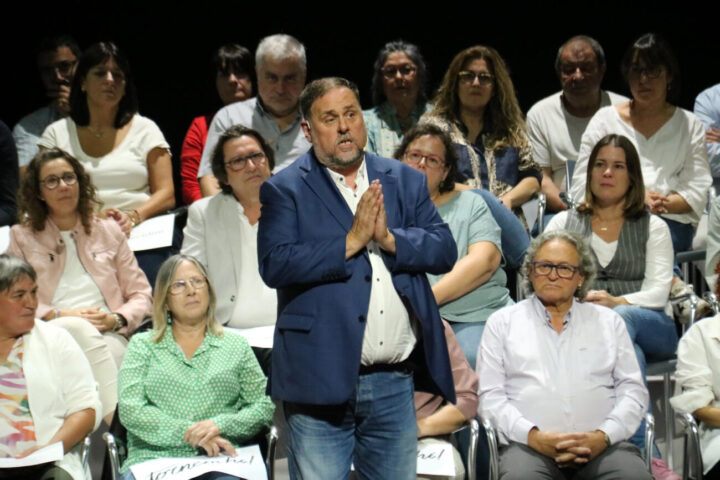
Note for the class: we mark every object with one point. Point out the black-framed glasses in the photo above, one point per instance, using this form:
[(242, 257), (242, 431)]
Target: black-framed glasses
[(178, 287), (468, 76), (562, 270), (240, 163), (51, 182), (414, 157), (651, 72), (404, 70)]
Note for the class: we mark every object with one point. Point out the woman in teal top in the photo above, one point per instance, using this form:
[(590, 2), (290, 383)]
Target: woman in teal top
[(186, 384), (476, 286)]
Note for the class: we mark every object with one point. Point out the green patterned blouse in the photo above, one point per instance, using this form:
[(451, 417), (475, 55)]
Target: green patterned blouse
[(162, 393)]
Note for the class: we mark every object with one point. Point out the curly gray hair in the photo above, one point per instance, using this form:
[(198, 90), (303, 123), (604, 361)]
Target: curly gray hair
[(587, 263)]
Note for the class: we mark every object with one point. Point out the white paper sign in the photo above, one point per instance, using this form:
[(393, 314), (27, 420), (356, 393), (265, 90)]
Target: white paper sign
[(248, 463), (261, 337), (435, 459), (51, 453), (4, 238), (156, 232)]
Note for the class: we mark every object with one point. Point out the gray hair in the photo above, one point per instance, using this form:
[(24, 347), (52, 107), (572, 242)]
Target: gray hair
[(321, 86), (594, 45), (587, 262), (162, 289), (280, 47), (13, 269)]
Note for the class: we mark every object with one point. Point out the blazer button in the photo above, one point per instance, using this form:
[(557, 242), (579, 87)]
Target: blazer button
[(367, 278), (361, 318)]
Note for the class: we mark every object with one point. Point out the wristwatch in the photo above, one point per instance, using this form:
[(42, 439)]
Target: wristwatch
[(120, 322)]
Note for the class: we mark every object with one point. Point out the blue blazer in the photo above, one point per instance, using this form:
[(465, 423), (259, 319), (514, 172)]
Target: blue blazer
[(323, 298)]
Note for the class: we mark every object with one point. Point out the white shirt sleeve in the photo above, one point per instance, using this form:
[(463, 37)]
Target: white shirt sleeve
[(694, 372), (557, 222)]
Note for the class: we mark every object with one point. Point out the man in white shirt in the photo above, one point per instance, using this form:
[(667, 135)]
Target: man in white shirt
[(281, 67), (559, 379), (556, 123)]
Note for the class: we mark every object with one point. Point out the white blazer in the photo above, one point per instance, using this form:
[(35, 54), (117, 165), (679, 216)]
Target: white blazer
[(59, 383), (215, 236)]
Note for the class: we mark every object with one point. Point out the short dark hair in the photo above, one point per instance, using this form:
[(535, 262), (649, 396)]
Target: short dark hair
[(34, 211), (654, 51), (13, 269), (594, 45), (413, 53), (218, 156), (50, 44), (318, 88), (635, 196), (97, 54), (233, 58), (451, 156)]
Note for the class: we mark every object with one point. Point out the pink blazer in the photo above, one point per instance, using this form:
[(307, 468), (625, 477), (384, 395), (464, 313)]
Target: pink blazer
[(104, 253)]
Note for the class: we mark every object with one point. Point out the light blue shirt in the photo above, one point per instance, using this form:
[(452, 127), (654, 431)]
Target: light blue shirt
[(28, 131), (470, 221), (384, 130), (707, 109), (287, 144)]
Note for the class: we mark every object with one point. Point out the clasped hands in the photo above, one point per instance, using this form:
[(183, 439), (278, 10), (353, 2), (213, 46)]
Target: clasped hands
[(206, 434), (567, 449), (370, 223)]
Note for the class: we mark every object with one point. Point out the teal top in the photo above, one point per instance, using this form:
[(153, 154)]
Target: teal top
[(470, 221), (384, 131), (162, 393)]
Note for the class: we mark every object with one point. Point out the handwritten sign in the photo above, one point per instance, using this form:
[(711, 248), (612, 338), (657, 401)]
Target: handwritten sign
[(156, 232), (435, 458), (51, 453), (4, 238), (247, 463)]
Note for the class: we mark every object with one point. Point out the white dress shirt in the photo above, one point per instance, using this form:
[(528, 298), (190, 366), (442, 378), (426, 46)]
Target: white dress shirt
[(698, 375), (389, 337), (584, 378), (659, 259)]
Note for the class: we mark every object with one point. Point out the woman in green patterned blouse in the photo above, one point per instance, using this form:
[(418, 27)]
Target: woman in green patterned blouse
[(186, 384)]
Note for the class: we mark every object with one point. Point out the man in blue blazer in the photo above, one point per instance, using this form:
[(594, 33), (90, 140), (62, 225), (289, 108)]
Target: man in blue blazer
[(346, 239)]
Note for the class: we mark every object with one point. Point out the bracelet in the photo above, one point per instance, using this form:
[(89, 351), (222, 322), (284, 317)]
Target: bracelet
[(120, 322), (135, 218)]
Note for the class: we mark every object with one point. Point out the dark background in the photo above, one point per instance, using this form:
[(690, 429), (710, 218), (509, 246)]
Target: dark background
[(170, 44)]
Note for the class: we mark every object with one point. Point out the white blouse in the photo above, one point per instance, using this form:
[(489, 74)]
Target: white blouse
[(659, 258)]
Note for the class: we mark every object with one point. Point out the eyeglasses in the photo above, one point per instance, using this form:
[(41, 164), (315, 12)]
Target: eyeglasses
[(180, 286), (562, 270), (650, 72), (468, 76), (51, 182), (64, 68), (240, 163), (585, 68), (414, 157), (404, 70)]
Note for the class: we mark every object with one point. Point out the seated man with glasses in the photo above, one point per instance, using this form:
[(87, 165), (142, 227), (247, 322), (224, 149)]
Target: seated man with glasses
[(559, 379), (221, 232), (57, 58)]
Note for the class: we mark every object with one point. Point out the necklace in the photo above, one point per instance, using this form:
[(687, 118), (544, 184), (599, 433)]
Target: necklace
[(600, 223), (95, 133)]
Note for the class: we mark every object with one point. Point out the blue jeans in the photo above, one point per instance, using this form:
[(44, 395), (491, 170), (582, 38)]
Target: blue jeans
[(376, 430), (654, 337), (468, 335), (513, 236)]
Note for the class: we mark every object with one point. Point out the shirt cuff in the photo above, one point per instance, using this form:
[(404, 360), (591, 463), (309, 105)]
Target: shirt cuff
[(614, 431), (520, 430)]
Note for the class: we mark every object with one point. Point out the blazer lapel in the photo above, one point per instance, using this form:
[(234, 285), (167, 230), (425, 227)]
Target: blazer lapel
[(389, 188), (321, 184), (231, 227)]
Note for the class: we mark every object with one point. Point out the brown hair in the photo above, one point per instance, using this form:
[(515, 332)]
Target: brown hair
[(217, 161), (503, 118), (635, 196), (33, 210)]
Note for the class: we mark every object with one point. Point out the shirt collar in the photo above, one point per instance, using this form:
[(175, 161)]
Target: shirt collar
[(339, 179), (260, 106), (543, 315)]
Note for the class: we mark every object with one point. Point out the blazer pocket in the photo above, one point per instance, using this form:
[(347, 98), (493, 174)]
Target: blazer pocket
[(302, 323)]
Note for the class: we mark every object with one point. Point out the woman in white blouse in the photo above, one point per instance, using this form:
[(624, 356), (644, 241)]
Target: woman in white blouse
[(670, 140), (221, 232), (125, 153)]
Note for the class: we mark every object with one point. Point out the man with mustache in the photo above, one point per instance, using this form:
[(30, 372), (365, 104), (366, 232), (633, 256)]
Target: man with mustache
[(346, 238), (281, 67), (556, 123)]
